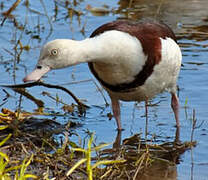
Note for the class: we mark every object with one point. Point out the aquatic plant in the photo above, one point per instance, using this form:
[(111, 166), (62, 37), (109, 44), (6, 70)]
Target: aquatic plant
[(88, 153), (6, 171)]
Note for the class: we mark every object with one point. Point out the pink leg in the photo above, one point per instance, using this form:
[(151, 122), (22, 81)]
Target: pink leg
[(175, 107), (116, 112)]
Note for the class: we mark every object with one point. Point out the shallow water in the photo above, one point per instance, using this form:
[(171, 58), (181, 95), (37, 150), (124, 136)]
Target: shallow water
[(187, 18)]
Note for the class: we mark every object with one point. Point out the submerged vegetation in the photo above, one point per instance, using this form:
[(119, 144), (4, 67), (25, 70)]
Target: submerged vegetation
[(36, 154)]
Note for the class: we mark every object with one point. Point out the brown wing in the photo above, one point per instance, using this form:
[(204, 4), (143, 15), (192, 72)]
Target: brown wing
[(137, 28), (149, 34)]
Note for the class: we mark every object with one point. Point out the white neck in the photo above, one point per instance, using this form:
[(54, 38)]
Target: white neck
[(105, 48)]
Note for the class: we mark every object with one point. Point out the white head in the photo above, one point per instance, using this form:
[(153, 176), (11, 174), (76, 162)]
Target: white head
[(59, 53), (109, 48)]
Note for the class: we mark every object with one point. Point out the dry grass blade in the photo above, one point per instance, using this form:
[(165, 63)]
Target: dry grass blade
[(97, 148), (107, 162), (23, 169), (12, 8), (8, 12), (5, 139), (2, 127), (140, 162)]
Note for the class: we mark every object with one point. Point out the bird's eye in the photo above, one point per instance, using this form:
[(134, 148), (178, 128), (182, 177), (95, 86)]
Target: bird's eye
[(54, 52)]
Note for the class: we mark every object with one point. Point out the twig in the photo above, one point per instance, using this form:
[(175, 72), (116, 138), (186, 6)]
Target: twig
[(22, 91), (98, 88), (8, 12), (141, 160), (39, 83), (49, 21), (3, 103), (77, 82), (158, 9), (192, 135), (101, 92), (53, 98), (193, 125), (146, 115), (130, 4)]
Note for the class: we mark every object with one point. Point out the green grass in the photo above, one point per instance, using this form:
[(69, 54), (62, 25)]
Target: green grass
[(87, 159), (6, 170)]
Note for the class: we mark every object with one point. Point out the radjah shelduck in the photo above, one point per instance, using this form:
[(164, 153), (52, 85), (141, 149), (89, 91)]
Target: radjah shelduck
[(133, 61)]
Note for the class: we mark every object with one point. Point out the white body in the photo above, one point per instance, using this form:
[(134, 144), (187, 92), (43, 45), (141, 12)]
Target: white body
[(130, 59)]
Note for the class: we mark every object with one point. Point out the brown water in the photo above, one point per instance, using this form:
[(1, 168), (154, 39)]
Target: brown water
[(188, 19)]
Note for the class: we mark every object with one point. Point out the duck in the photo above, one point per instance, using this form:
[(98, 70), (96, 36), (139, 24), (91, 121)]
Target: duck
[(133, 61)]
